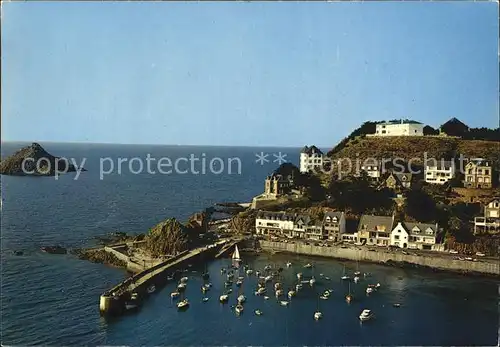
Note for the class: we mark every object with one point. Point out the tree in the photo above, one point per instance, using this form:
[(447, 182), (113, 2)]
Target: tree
[(420, 206), (428, 130)]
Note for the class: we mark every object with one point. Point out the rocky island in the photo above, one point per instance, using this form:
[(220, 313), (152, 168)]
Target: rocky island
[(29, 156)]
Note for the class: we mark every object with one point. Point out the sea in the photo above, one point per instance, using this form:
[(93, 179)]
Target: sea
[(54, 299)]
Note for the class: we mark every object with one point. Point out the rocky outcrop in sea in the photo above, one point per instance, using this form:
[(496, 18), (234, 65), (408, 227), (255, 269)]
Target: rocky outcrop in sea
[(29, 156)]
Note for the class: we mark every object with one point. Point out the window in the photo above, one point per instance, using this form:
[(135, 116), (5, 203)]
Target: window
[(486, 172), (396, 237)]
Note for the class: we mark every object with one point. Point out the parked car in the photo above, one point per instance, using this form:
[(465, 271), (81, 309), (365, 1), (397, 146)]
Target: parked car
[(452, 251), (480, 254)]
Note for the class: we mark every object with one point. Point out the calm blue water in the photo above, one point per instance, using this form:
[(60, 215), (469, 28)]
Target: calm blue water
[(50, 299)]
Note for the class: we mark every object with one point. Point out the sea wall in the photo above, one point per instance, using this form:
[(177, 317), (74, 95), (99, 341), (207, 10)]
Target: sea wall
[(440, 262)]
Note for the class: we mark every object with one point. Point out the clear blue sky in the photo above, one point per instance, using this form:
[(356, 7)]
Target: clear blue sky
[(284, 74)]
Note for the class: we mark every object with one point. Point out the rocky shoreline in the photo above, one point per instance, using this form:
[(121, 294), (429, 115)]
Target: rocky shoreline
[(99, 256)]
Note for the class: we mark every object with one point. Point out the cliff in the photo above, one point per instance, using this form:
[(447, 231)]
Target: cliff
[(31, 155)]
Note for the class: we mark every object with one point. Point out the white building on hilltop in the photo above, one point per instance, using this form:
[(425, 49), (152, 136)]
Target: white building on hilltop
[(400, 128), (311, 159)]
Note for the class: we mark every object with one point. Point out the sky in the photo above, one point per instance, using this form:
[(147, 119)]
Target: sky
[(242, 74)]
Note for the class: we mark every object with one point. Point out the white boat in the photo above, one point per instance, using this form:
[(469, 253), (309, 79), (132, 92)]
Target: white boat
[(183, 304), (268, 278), (236, 257), (326, 293), (205, 299), (312, 281), (258, 312), (284, 303), (279, 292), (204, 289), (174, 295), (238, 308), (369, 290), (330, 291), (266, 297), (322, 297), (277, 286), (291, 294), (366, 315), (130, 305), (357, 273), (241, 299), (230, 290), (181, 286), (257, 273), (318, 315), (184, 279), (377, 285), (308, 266), (241, 278), (239, 283), (249, 271), (298, 287), (267, 268), (327, 278), (260, 291), (349, 296), (356, 279), (134, 296), (321, 275), (299, 276), (344, 276), (288, 264), (224, 298)]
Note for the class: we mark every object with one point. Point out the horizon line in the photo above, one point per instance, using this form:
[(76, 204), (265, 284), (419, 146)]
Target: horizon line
[(156, 144)]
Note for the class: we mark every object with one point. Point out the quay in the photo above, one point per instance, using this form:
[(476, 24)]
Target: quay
[(112, 302)]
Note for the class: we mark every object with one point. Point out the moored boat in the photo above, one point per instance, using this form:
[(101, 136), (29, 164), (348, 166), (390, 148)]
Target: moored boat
[(312, 281), (318, 315), (174, 295), (184, 279), (291, 293), (284, 303), (279, 293), (308, 266), (224, 298), (181, 287), (205, 299), (258, 312), (183, 304), (299, 276), (369, 290), (239, 308), (366, 315), (241, 299), (288, 264)]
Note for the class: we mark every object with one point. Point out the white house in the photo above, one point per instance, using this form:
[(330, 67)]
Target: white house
[(439, 171), (372, 167), (400, 128), (274, 223), (490, 223), (311, 159), (414, 235)]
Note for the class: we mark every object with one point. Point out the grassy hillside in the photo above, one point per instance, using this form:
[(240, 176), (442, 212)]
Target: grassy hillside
[(414, 147)]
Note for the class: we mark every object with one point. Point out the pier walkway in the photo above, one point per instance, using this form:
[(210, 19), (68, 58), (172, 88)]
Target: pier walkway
[(113, 300)]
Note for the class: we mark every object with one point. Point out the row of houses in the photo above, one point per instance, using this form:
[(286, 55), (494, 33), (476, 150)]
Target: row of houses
[(372, 230)]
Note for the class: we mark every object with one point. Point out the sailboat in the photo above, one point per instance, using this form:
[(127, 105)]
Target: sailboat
[(357, 273), (349, 297), (205, 275), (345, 277), (236, 257)]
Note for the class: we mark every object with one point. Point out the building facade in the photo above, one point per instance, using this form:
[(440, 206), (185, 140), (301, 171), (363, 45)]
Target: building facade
[(277, 185), (274, 223), (375, 230), (439, 171), (372, 168), (490, 221), (334, 226), (478, 174), (399, 181), (399, 128), (311, 159), (414, 235)]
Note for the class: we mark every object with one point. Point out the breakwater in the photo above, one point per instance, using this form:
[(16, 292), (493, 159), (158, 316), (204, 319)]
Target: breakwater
[(486, 267)]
